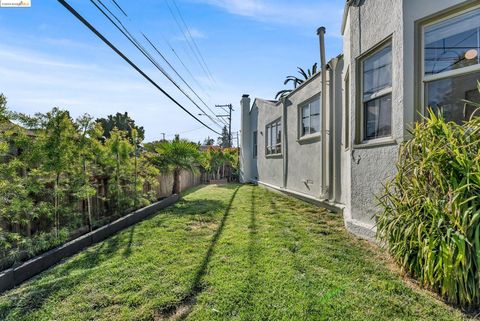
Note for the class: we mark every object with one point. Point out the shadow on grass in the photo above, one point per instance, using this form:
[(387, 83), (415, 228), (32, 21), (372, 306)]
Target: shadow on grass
[(182, 309), (33, 296), (191, 190), (128, 250), (253, 252), (229, 186), (76, 271)]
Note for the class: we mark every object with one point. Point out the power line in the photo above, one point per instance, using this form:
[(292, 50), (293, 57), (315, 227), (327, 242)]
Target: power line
[(173, 68), (164, 58), (193, 40), (184, 66), (187, 40), (171, 47), (120, 8), (133, 65), (139, 46)]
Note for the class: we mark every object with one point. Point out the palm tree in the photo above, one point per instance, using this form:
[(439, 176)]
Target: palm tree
[(175, 156), (297, 81)]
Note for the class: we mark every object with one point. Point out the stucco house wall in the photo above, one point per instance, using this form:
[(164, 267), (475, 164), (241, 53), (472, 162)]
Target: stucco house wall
[(269, 168), (357, 169), (263, 168), (304, 156), (372, 163)]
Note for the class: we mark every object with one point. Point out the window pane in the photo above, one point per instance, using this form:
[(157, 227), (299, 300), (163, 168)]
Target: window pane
[(279, 135), (270, 142), (306, 111), (453, 43), (315, 108), (305, 120), (305, 126), (378, 116), (315, 124), (446, 95), (377, 72)]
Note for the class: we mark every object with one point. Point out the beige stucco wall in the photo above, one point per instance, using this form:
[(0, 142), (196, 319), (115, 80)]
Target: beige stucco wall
[(304, 157), (370, 24)]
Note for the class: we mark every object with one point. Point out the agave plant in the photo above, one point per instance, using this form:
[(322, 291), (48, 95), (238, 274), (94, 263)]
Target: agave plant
[(305, 75)]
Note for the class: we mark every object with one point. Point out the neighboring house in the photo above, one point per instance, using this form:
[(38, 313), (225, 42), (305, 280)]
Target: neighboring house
[(400, 56)]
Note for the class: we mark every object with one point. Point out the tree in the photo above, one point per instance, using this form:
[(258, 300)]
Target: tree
[(4, 114), (297, 81), (122, 122), (119, 149), (88, 146), (176, 156), (224, 140), (209, 141), (57, 138), (15, 206)]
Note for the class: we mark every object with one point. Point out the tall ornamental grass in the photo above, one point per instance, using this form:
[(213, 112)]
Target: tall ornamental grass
[(431, 209)]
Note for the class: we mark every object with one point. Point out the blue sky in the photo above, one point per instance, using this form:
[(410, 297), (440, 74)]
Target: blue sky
[(47, 58)]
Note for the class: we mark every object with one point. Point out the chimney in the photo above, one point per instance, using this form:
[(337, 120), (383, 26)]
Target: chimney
[(245, 149)]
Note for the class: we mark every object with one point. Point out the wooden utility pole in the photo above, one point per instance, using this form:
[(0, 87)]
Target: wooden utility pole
[(229, 117)]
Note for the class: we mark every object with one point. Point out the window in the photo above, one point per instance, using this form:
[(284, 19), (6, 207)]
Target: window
[(451, 64), (255, 144), (310, 118), (274, 138), (376, 94)]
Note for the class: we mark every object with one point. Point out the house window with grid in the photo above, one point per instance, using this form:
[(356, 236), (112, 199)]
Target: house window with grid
[(310, 118), (451, 65), (274, 138), (255, 144), (376, 97)]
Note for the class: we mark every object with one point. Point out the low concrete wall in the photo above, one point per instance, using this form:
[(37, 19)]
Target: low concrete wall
[(15, 276)]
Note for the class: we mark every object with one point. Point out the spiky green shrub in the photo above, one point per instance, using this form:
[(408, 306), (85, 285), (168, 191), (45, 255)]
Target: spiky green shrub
[(431, 209)]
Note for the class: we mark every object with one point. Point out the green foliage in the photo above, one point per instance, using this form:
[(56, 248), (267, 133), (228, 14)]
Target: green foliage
[(431, 209), (62, 175), (122, 122), (224, 141), (4, 114), (175, 156), (227, 253), (220, 162)]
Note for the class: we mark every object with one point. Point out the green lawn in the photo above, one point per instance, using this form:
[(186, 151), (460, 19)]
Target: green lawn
[(227, 253)]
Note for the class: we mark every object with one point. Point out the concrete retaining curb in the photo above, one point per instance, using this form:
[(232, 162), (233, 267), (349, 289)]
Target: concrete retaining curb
[(15, 276)]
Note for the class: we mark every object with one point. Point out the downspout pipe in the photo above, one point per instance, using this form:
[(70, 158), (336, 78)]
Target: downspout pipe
[(324, 143), (285, 142)]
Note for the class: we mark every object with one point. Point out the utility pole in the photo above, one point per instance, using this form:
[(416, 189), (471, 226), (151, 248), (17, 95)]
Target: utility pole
[(229, 117)]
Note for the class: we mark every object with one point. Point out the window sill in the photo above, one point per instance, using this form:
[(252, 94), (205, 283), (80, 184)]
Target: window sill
[(386, 141), (309, 138), (274, 156)]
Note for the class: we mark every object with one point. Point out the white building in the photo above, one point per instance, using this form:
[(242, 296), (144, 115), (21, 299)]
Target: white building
[(338, 148)]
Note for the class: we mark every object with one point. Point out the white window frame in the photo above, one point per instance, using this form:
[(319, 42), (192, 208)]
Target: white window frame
[(300, 118), (425, 79), (379, 94), (278, 124)]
